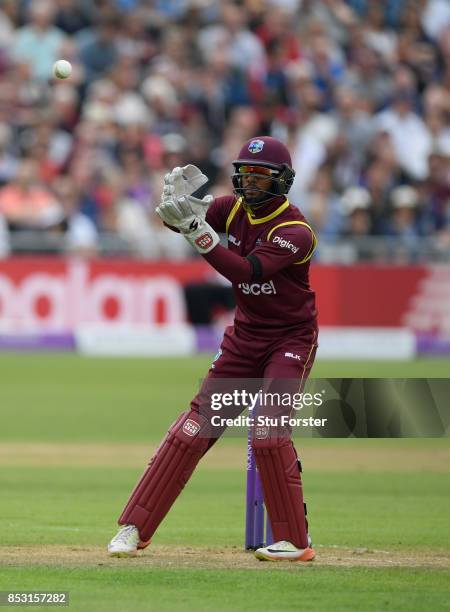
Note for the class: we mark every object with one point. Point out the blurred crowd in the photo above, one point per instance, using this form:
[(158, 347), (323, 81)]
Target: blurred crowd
[(359, 90)]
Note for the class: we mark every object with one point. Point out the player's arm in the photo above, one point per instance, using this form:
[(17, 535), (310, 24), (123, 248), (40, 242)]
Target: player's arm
[(286, 246)]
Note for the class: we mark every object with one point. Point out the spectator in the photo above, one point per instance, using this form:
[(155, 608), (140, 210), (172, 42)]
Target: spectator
[(243, 47), (410, 136), (99, 53), (79, 232), (8, 161), (404, 225), (436, 190), (367, 76), (38, 44), (379, 180), (349, 150), (322, 205), (353, 121), (378, 37), (356, 204), (64, 106), (404, 219), (7, 34), (357, 89), (315, 132), (4, 238), (277, 28), (356, 207), (26, 203), (335, 17), (48, 145), (436, 17), (328, 67), (72, 16)]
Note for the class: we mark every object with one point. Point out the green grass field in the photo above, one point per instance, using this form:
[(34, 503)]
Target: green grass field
[(75, 434)]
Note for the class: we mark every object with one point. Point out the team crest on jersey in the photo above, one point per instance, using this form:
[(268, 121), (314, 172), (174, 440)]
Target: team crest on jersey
[(256, 146)]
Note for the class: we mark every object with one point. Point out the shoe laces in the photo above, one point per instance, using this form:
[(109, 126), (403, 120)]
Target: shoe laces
[(125, 533), (283, 545)]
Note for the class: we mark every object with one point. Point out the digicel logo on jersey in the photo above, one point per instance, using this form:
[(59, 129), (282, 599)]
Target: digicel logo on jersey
[(285, 244), (258, 288)]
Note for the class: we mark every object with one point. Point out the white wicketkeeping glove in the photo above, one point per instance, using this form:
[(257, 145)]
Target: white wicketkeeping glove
[(182, 182), (179, 213)]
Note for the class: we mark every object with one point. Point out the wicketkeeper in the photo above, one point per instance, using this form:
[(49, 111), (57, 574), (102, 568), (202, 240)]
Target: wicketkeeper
[(274, 336)]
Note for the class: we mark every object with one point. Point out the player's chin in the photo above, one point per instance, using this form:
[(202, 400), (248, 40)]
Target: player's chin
[(252, 199)]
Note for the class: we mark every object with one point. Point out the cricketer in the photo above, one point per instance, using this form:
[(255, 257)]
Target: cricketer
[(274, 336)]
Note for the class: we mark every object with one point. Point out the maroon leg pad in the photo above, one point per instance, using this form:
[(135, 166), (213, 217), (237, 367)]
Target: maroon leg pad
[(278, 467), (167, 473)]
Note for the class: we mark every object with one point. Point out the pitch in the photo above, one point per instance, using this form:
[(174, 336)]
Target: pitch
[(75, 435)]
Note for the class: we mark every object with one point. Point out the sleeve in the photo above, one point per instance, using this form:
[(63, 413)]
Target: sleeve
[(285, 246)]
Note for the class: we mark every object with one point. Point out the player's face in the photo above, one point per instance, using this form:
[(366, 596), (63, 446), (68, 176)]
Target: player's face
[(255, 185)]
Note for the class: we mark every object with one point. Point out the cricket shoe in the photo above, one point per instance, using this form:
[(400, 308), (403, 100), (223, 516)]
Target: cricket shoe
[(284, 551), (126, 542)]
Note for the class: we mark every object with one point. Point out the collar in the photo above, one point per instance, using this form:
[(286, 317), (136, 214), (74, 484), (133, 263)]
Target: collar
[(267, 211)]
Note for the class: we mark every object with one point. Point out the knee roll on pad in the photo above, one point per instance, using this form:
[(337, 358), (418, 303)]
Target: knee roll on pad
[(278, 467), (167, 473)]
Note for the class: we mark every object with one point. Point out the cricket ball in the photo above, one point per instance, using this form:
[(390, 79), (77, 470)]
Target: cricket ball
[(62, 69)]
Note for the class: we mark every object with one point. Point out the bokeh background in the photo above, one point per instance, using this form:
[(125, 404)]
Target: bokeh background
[(358, 90)]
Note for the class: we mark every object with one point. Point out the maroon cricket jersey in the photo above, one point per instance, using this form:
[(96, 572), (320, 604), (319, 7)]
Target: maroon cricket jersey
[(271, 275)]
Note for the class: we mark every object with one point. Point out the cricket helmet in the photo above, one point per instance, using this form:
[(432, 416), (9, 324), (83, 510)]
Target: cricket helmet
[(268, 157)]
